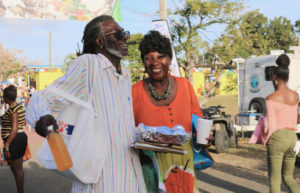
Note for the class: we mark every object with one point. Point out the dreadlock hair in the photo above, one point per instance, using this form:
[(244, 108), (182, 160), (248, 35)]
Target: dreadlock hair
[(10, 93), (282, 70), (153, 41), (92, 31)]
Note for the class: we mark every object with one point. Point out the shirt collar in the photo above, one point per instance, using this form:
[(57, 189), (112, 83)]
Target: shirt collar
[(108, 64)]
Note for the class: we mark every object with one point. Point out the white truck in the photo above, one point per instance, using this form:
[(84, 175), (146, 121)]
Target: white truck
[(255, 84)]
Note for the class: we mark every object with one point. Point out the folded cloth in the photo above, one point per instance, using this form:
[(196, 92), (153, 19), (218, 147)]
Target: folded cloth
[(297, 147), (258, 136)]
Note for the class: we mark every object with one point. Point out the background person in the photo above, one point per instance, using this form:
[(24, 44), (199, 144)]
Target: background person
[(280, 127), (15, 139), (1, 156), (104, 45), (165, 100)]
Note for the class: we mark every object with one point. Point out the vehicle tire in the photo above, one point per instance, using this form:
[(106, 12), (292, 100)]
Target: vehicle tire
[(221, 138), (258, 105), (233, 139)]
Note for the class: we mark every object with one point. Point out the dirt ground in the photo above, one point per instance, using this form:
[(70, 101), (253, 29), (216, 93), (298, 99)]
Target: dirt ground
[(230, 102)]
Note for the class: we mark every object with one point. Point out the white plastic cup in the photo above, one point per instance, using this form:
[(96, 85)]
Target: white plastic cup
[(203, 130)]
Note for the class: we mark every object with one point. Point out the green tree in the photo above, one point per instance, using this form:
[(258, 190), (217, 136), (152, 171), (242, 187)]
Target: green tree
[(9, 62), (69, 59), (229, 83), (191, 19), (254, 34), (133, 61), (253, 28), (297, 25), (243, 38), (281, 33)]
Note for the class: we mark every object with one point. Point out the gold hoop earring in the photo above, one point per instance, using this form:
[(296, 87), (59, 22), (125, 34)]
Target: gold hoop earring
[(145, 75)]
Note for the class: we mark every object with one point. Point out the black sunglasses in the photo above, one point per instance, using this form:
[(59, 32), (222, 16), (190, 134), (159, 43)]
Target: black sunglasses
[(119, 34)]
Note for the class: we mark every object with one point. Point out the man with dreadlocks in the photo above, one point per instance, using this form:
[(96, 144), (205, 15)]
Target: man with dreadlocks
[(104, 45)]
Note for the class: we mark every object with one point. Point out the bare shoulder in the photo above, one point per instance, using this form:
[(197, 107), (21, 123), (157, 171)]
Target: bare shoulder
[(295, 95), (271, 96)]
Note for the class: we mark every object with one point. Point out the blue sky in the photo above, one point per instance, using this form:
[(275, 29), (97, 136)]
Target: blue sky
[(31, 35)]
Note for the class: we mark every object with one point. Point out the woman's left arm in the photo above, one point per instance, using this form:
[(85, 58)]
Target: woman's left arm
[(12, 135)]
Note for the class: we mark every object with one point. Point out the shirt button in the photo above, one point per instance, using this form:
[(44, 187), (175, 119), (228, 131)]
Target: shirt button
[(171, 114), (169, 108), (172, 120)]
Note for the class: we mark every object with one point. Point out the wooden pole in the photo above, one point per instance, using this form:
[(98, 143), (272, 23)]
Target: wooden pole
[(49, 48), (162, 9)]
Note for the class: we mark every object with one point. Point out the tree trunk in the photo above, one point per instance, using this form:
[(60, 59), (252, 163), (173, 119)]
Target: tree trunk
[(189, 74), (189, 69)]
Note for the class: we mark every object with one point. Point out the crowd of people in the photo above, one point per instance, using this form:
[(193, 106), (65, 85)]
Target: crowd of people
[(23, 95), (158, 100)]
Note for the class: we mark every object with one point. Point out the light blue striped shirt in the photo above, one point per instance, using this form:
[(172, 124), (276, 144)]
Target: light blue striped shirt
[(112, 100)]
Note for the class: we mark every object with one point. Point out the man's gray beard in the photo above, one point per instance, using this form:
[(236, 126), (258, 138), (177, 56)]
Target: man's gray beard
[(115, 53)]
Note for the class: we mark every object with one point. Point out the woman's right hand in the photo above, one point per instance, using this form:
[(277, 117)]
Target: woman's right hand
[(210, 139), (6, 154), (1, 159)]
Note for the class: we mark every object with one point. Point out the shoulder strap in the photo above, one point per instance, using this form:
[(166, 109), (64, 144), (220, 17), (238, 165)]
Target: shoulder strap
[(88, 105), (70, 97)]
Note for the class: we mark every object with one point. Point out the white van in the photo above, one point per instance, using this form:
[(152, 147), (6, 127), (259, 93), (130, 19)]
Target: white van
[(255, 83)]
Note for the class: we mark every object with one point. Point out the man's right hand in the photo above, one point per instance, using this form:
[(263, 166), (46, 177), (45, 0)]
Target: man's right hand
[(41, 126)]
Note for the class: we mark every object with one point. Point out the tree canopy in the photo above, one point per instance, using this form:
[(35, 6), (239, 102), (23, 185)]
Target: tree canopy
[(254, 34), (192, 18), (133, 61), (69, 59), (10, 63)]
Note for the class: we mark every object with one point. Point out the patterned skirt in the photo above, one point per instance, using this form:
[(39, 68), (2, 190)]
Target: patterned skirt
[(174, 172)]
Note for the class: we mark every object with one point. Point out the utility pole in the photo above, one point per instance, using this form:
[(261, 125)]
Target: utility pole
[(162, 9), (49, 48)]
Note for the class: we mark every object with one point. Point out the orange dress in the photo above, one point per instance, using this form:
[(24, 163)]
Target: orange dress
[(176, 171)]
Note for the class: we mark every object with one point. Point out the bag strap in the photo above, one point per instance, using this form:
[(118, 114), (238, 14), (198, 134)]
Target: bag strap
[(88, 105), (70, 97)]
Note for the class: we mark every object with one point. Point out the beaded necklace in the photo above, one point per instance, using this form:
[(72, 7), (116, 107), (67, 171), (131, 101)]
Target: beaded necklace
[(164, 96)]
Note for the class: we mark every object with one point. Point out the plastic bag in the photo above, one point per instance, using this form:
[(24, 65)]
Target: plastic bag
[(85, 135), (202, 159), (257, 135)]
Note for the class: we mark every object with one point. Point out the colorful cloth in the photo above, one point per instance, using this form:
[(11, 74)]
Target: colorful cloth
[(6, 119), (122, 172), (176, 171)]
